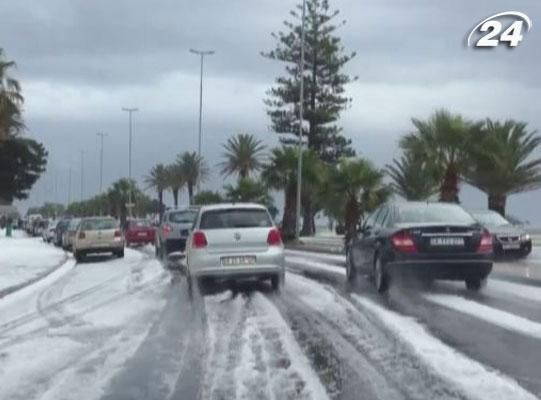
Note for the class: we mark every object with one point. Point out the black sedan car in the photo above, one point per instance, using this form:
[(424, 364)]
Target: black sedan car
[(421, 239), (508, 239)]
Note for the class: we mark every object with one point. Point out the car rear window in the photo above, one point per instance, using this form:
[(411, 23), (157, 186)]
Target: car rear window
[(183, 217), (140, 223), (98, 224), (235, 218), (433, 213)]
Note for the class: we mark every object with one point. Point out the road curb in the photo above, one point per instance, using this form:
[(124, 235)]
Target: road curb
[(15, 288)]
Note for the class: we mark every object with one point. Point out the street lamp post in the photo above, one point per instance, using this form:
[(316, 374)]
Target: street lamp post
[(202, 54), (82, 173), (130, 111), (301, 115), (101, 135)]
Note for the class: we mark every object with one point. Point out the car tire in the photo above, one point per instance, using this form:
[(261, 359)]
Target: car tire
[(351, 272), (381, 278), (79, 257), (277, 282), (475, 284), (120, 253)]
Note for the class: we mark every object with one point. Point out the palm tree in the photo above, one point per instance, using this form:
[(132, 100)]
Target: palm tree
[(158, 179), (502, 163), (443, 142), (358, 186), (281, 174), (118, 196), (11, 101), (175, 180), (192, 166), (208, 197), (413, 178), (243, 155)]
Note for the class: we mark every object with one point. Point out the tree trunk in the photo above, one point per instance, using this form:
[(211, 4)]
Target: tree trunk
[(496, 202), (352, 215), (308, 228), (160, 205), (449, 186), (175, 197), (290, 212), (190, 193)]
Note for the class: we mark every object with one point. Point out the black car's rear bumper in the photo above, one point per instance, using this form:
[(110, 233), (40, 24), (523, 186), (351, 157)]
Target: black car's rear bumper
[(440, 269)]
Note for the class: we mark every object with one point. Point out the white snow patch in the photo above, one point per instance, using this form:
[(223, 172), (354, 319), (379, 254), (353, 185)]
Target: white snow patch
[(524, 291), (491, 315), (23, 259), (24, 365), (334, 258), (311, 264), (253, 353), (474, 378)]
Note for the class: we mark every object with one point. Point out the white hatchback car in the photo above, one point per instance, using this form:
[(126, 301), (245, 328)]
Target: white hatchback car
[(98, 235), (235, 241)]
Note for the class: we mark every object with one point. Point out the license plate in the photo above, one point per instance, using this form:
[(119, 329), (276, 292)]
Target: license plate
[(447, 241), (238, 260), (142, 234), (511, 246)]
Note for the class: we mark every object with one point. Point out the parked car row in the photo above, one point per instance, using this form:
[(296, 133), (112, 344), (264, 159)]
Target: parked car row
[(96, 235)]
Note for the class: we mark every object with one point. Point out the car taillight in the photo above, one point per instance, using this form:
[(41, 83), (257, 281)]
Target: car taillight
[(274, 238), (485, 245), (118, 233), (199, 240), (167, 229), (403, 242), (82, 235)]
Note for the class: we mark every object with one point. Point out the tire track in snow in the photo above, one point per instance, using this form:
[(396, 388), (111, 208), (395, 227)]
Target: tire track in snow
[(371, 362), (252, 352)]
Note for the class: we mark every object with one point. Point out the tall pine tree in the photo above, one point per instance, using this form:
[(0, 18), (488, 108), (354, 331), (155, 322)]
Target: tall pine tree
[(324, 81), (324, 93)]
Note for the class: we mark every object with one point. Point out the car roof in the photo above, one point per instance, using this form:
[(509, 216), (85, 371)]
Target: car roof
[(223, 206), (422, 203), (187, 208)]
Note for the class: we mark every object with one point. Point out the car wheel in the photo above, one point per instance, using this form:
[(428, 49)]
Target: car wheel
[(381, 278), (475, 284), (79, 257), (277, 282), (351, 272), (120, 253)]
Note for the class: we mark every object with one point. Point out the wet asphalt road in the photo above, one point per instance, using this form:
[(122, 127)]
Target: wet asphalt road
[(319, 337)]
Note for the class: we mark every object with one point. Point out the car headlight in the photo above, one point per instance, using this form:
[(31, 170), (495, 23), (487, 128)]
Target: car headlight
[(525, 237)]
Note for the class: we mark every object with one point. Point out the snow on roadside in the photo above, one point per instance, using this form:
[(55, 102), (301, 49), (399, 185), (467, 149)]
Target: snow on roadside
[(253, 353), (474, 378), (24, 258), (94, 317), (334, 258), (491, 315), (312, 265)]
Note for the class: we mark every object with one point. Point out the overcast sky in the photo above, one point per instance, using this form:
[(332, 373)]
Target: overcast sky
[(81, 61)]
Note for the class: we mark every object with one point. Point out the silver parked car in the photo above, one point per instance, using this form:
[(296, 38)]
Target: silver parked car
[(235, 241), (173, 231)]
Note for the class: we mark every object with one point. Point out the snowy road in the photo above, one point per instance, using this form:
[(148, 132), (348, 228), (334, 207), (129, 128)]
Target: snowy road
[(120, 329)]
